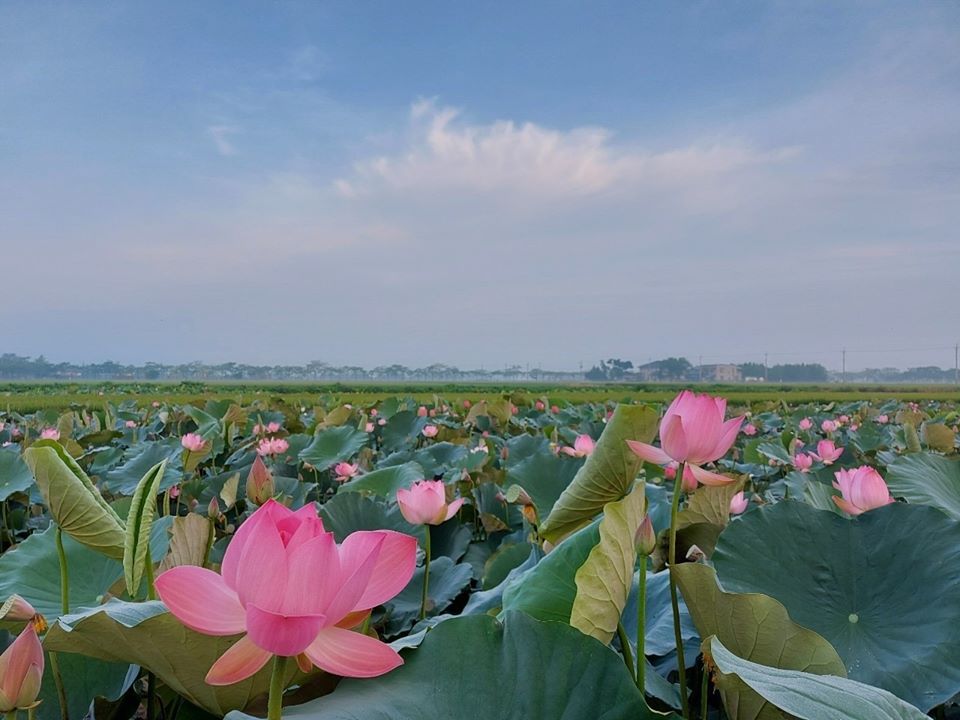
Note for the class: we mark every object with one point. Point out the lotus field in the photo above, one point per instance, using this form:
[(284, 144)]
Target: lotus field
[(513, 557)]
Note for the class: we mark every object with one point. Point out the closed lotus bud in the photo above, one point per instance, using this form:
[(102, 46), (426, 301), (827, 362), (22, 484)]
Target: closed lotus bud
[(645, 539), (21, 669), (213, 509), (260, 486)]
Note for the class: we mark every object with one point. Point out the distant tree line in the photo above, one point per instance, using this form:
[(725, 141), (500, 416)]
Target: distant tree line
[(671, 369)]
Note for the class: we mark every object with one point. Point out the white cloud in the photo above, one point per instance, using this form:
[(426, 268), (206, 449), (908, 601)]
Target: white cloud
[(220, 134), (446, 154)]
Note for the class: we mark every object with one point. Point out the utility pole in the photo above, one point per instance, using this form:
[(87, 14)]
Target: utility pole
[(956, 364), (843, 366), (766, 368), (700, 368)]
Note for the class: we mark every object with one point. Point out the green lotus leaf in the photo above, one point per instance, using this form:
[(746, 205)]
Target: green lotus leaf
[(866, 584), (811, 697), (75, 504), (607, 475)]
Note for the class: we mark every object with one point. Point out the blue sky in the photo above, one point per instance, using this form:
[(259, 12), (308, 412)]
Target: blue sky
[(481, 183)]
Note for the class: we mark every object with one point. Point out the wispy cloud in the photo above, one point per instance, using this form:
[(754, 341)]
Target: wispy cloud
[(220, 134)]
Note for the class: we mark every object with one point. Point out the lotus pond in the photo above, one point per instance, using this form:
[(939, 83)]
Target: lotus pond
[(398, 558)]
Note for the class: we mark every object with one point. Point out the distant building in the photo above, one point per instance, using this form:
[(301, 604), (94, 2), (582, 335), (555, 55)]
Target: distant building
[(720, 373)]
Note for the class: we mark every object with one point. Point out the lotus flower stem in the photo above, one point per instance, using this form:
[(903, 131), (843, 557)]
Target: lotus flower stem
[(277, 682), (58, 683), (426, 572), (64, 575), (674, 602), (641, 623), (64, 610), (625, 647), (151, 695), (704, 692), (12, 715)]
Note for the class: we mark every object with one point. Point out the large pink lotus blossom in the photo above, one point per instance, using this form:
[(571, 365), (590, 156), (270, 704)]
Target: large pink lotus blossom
[(344, 471), (827, 452), (738, 503), (425, 503), (806, 424), (583, 446), (430, 431), (50, 433), (272, 446), (21, 670), (295, 593), (829, 426), (693, 432), (803, 462), (539, 405), (193, 442), (861, 489)]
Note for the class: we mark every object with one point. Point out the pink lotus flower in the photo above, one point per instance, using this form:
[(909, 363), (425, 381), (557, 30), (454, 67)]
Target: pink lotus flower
[(883, 419), (583, 446), (21, 670), (805, 424), (381, 422), (554, 409), (843, 419), (425, 503), (829, 426), (373, 412), (369, 427), (430, 431), (749, 429), (692, 431), (130, 424), (344, 471), (466, 404), (803, 462), (50, 433), (295, 593), (193, 442), (738, 503), (827, 452), (272, 446), (422, 411), (539, 405), (862, 489)]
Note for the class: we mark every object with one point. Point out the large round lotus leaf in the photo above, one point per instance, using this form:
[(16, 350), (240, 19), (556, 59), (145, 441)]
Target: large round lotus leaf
[(880, 587), (926, 479), (474, 668), (332, 446)]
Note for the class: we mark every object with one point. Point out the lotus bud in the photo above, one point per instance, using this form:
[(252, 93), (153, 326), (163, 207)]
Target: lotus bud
[(645, 539), (21, 669), (260, 487), (213, 509)]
